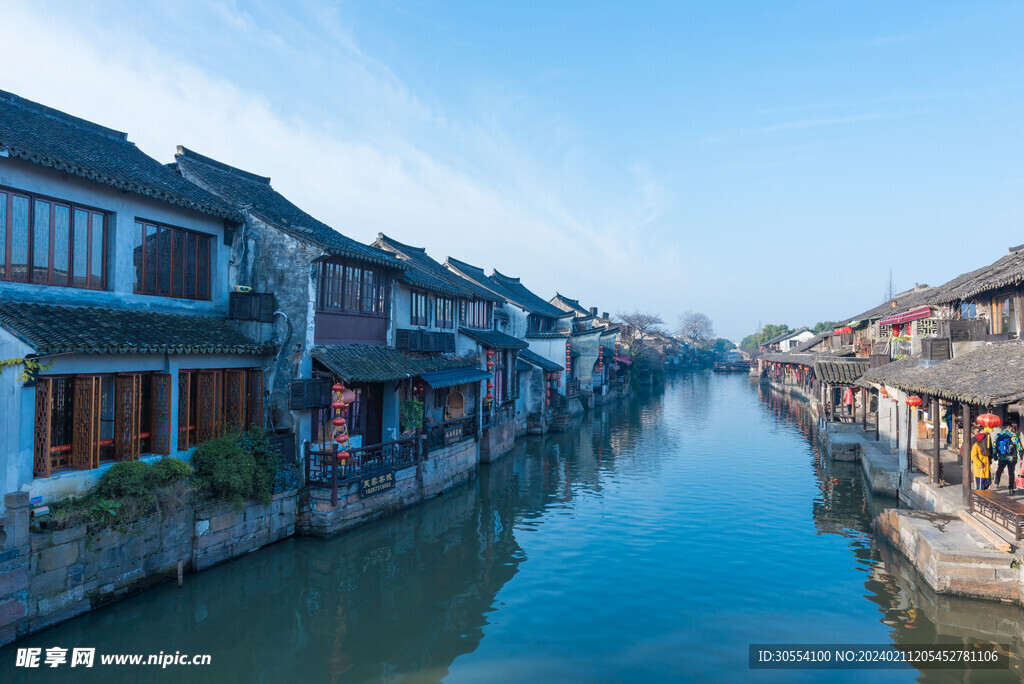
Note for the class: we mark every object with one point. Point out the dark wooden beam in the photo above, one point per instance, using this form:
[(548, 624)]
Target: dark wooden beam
[(936, 405), (965, 453)]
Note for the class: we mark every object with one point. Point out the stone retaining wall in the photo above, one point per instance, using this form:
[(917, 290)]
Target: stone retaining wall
[(49, 577), (443, 469)]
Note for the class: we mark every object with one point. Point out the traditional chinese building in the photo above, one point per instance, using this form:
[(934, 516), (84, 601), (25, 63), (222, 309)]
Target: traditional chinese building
[(115, 342)]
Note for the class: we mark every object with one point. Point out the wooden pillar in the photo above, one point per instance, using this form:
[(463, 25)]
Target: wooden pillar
[(936, 406), (864, 408), (878, 420), (896, 403), (965, 455), (910, 433)]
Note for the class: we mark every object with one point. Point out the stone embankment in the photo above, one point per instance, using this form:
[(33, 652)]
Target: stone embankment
[(49, 577)]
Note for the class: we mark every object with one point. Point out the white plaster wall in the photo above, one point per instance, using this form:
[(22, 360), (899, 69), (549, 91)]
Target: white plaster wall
[(126, 207)]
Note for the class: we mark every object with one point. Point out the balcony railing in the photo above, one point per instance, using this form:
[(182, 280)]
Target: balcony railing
[(324, 468), (451, 432)]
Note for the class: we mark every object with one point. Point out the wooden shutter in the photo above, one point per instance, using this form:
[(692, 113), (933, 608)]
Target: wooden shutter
[(234, 398), (210, 407), (41, 460), (402, 339), (184, 405), (85, 440), (127, 416), (160, 414), (254, 403), (297, 395)]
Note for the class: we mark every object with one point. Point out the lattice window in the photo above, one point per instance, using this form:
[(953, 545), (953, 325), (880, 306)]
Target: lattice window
[(927, 327), (160, 414), (127, 417), (234, 398), (210, 408), (884, 331), (41, 458), (85, 450), (254, 398), (186, 410)]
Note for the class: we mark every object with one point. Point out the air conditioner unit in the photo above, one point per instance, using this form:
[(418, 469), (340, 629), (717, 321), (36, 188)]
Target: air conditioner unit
[(251, 306)]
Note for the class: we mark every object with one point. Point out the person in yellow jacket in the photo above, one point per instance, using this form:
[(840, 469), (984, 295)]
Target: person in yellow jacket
[(980, 461)]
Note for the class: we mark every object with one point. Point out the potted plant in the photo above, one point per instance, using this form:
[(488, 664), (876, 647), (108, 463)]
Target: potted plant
[(410, 416)]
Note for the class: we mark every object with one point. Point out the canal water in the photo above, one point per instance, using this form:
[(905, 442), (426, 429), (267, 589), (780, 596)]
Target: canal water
[(655, 542)]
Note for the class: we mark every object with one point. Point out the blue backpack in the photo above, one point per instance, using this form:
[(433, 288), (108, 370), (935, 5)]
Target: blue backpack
[(1004, 445)]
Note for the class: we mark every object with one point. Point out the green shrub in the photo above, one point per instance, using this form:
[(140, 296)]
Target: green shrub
[(127, 478), (236, 466), (169, 470)]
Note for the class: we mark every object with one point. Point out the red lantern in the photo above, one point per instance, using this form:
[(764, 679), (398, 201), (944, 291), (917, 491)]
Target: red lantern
[(337, 405), (348, 396), (344, 456), (337, 387), (340, 438), (339, 421), (547, 402), (989, 420), (884, 393), (915, 402), (490, 353)]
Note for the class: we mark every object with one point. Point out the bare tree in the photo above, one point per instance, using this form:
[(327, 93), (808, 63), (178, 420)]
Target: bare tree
[(639, 330), (696, 327), (890, 289)]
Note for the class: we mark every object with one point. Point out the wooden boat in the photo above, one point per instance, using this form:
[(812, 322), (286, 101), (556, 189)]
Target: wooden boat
[(742, 366)]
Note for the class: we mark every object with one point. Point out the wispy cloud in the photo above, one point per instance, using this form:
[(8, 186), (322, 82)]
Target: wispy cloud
[(364, 152)]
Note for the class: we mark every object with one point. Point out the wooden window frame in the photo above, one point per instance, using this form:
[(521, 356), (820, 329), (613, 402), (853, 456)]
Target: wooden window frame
[(84, 412), (336, 292), (417, 297), (443, 313), (91, 282), (142, 267)]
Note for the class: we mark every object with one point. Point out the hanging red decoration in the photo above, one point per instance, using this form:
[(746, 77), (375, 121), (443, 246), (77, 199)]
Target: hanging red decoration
[(490, 353), (914, 401), (989, 420), (337, 404), (339, 421), (340, 437), (337, 387), (348, 396)]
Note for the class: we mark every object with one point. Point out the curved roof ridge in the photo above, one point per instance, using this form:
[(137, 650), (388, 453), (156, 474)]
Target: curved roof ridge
[(209, 161)]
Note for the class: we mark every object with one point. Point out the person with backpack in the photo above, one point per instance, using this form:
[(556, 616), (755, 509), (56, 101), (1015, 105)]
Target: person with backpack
[(1007, 449)]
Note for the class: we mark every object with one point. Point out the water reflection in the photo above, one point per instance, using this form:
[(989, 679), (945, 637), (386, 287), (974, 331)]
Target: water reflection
[(652, 542), (915, 613)]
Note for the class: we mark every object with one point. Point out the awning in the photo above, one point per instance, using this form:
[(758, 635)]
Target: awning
[(624, 359), (907, 316), (454, 376)]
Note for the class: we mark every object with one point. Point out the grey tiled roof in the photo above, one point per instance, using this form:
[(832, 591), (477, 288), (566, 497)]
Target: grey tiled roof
[(428, 274), (52, 138), (493, 338), (840, 373), (254, 195), (53, 329), (368, 363), (987, 376), (573, 304), (509, 289), (539, 361)]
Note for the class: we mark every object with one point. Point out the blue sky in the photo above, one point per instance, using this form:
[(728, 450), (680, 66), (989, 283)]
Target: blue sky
[(756, 161)]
